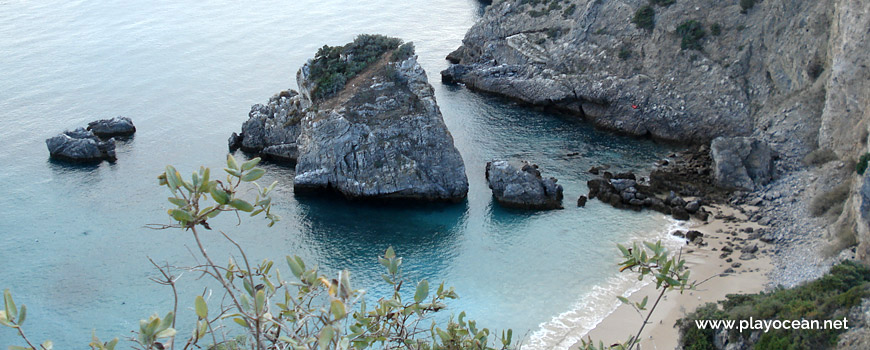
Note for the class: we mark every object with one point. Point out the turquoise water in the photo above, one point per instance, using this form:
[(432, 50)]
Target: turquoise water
[(72, 242)]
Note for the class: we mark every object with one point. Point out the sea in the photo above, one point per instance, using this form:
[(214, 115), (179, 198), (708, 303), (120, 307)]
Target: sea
[(74, 246)]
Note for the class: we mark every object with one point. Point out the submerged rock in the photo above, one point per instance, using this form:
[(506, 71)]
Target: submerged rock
[(80, 145), (520, 185), (118, 126), (741, 162)]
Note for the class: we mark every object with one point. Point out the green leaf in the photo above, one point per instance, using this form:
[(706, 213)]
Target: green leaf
[(422, 291), (16, 347), (241, 205), (180, 215), (254, 174), (166, 333), (11, 310), (47, 345), (643, 302), (390, 253), (220, 196), (444, 336), (623, 299), (241, 322), (260, 302), (22, 315), (204, 178), (325, 337), (296, 265), (338, 310), (173, 179), (622, 249), (201, 307), (231, 162), (178, 201), (250, 164)]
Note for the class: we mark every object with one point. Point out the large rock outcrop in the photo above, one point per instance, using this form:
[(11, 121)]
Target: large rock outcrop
[(741, 162), (587, 57), (520, 185), (80, 145), (375, 132)]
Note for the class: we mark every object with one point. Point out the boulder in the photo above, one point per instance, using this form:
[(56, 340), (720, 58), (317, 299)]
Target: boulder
[(520, 185), (581, 202), (693, 206), (741, 162), (118, 126), (80, 145), (691, 235), (679, 213)]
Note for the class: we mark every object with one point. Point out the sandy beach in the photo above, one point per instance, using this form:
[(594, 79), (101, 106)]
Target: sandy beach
[(750, 276)]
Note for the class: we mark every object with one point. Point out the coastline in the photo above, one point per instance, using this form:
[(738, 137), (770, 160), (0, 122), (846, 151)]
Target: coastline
[(704, 262)]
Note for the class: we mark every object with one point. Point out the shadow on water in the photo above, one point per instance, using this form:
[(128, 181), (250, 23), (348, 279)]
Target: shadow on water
[(345, 230)]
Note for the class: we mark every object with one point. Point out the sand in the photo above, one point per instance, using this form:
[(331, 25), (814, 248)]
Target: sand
[(704, 262)]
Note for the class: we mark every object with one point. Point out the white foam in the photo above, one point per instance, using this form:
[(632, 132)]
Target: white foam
[(568, 328)]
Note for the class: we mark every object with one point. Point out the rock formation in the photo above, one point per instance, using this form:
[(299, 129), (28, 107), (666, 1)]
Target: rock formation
[(791, 74), (118, 126), (80, 145), (271, 129), (741, 162), (520, 185), (373, 132)]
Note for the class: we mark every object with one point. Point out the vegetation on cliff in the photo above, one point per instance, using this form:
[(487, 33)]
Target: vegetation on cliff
[(333, 66), (828, 298)]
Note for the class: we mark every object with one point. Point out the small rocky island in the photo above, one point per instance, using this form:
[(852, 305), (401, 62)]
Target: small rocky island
[(520, 185), (364, 123), (94, 144)]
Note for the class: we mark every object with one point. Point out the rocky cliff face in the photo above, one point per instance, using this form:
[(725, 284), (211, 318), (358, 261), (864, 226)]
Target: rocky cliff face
[(377, 132), (384, 137), (792, 74)]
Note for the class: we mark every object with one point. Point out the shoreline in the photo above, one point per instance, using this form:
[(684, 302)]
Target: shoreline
[(704, 262)]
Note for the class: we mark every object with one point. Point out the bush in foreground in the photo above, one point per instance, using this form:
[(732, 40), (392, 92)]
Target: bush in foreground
[(307, 310)]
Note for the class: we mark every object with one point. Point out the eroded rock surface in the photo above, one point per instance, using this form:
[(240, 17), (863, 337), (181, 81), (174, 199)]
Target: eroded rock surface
[(118, 126), (381, 136), (80, 145), (741, 162), (520, 185)]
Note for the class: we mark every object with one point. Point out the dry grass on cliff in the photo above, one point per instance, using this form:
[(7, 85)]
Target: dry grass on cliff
[(830, 202)]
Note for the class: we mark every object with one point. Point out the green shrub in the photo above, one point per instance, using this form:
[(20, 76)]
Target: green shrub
[(716, 29), (333, 66), (624, 53), (827, 298), (569, 10), (830, 201), (553, 33), (644, 18), (403, 52), (861, 167), (745, 5), (691, 32)]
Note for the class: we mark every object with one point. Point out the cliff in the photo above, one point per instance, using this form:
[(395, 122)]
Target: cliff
[(364, 123), (790, 73)]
